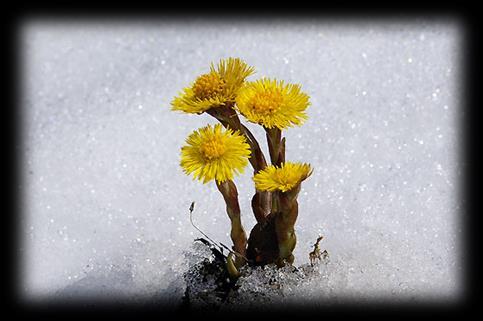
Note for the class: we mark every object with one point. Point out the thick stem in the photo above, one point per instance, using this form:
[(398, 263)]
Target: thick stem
[(274, 140), (259, 161), (238, 235), (285, 225), (261, 201), (276, 148)]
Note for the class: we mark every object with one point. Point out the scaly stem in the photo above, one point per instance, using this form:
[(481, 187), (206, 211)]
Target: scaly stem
[(259, 161), (285, 225), (238, 235), (276, 146)]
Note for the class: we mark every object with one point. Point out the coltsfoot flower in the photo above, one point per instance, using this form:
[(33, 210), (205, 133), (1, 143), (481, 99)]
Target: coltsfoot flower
[(222, 151), (273, 103), (283, 178), (217, 88), (212, 152)]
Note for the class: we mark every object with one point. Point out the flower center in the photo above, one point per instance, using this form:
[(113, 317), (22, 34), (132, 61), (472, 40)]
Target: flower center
[(212, 149), (267, 102), (208, 85)]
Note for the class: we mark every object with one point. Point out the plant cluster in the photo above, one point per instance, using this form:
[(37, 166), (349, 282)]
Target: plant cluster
[(220, 152)]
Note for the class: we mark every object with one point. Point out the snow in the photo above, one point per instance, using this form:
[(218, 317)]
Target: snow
[(106, 203)]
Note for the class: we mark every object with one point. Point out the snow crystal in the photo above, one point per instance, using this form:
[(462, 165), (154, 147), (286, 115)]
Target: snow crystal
[(106, 203)]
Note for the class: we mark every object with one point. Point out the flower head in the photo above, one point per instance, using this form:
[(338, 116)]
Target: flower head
[(214, 89), (273, 103), (214, 153), (283, 178)]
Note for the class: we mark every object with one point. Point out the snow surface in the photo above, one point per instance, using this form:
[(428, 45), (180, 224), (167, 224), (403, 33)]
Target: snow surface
[(106, 203)]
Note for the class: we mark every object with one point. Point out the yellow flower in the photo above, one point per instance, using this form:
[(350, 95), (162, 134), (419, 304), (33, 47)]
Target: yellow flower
[(214, 89), (283, 178), (215, 153), (273, 103)]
